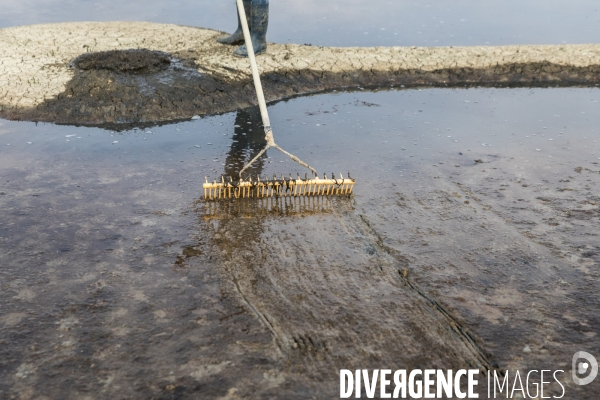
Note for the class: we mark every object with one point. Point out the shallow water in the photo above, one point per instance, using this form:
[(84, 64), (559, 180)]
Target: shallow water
[(349, 23), (483, 199), (392, 131)]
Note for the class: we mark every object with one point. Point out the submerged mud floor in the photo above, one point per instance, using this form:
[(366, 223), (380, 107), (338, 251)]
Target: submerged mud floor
[(471, 242)]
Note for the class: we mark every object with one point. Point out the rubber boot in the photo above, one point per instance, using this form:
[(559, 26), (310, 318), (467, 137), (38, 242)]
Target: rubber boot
[(259, 21), (237, 37)]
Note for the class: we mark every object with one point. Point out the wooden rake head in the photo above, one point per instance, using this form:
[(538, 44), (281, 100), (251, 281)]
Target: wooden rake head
[(278, 187)]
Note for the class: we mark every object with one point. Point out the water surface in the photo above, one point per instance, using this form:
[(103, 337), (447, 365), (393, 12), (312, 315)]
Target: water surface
[(349, 23)]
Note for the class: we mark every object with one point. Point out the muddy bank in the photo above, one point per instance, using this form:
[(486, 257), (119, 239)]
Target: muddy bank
[(40, 83)]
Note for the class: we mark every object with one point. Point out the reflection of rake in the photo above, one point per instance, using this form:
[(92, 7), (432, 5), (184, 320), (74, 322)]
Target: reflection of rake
[(271, 207), (276, 187)]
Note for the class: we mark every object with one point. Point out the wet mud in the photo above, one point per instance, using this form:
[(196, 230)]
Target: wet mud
[(137, 61), (322, 283), (166, 88), (112, 96)]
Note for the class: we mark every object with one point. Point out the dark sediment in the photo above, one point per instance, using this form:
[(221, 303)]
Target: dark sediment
[(125, 93), (140, 73), (140, 61)]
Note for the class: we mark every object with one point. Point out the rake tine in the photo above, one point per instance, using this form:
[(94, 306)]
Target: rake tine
[(255, 187)]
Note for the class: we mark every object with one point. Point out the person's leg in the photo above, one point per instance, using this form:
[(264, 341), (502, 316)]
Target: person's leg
[(259, 21), (238, 36)]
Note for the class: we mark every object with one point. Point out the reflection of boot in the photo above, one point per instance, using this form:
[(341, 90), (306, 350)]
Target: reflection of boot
[(237, 37), (258, 29)]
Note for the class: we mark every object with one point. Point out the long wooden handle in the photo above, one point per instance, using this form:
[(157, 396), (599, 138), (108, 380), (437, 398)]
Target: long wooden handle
[(255, 75), (261, 96)]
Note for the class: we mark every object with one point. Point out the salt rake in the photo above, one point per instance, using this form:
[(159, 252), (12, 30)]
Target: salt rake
[(276, 187)]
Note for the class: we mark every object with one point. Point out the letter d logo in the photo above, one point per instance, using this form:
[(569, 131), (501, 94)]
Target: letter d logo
[(581, 367)]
